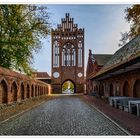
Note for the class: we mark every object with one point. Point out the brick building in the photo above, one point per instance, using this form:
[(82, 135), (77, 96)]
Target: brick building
[(120, 76), (67, 55), (42, 76)]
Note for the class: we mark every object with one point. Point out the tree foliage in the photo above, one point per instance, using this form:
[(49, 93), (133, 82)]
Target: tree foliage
[(66, 85), (21, 28), (132, 17), (124, 39)]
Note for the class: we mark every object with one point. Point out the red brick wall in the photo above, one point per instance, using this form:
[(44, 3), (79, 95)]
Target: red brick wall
[(126, 83), (15, 87)]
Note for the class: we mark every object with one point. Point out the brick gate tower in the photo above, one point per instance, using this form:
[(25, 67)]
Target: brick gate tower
[(67, 55)]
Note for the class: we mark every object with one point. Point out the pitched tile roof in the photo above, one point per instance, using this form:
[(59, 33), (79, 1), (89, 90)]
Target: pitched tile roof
[(102, 59), (41, 74), (128, 52), (11, 73)]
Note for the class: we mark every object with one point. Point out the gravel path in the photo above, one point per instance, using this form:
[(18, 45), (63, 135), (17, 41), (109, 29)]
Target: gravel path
[(61, 116)]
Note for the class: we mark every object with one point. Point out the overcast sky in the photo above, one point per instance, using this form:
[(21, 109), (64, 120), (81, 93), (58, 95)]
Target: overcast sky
[(102, 23)]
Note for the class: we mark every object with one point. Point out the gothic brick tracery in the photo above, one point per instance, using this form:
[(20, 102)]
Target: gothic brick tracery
[(67, 55)]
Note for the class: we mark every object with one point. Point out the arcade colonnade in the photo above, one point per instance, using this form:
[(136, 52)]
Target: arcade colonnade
[(127, 84), (15, 87)]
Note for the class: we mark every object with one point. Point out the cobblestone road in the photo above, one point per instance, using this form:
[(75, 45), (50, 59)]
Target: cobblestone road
[(61, 116)]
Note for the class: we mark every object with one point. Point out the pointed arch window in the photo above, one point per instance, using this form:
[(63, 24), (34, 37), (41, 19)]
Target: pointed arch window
[(73, 57), (56, 54), (80, 63), (68, 55)]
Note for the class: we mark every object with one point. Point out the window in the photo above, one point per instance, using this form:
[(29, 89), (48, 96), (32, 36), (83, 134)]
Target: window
[(80, 54), (73, 57), (68, 55), (55, 54)]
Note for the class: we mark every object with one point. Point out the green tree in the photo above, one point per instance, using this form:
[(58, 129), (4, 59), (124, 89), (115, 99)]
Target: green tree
[(21, 29), (65, 86), (71, 86), (132, 17)]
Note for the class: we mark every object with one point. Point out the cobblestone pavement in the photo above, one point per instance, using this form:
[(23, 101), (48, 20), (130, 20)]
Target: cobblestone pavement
[(61, 116)]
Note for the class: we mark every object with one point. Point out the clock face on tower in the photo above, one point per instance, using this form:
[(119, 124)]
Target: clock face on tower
[(56, 74), (80, 74)]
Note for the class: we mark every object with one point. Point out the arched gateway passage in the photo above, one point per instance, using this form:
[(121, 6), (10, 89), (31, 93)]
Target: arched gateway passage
[(68, 87)]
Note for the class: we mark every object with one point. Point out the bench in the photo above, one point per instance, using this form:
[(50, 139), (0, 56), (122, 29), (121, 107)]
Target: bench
[(136, 105), (123, 103), (114, 99)]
